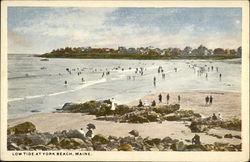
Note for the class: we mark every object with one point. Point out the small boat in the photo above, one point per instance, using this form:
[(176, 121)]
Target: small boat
[(44, 59)]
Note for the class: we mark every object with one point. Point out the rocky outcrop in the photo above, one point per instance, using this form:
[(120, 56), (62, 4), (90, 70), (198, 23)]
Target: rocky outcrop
[(122, 113), (178, 146), (134, 133), (100, 139), (58, 141), (197, 127), (228, 136), (187, 115), (75, 134), (126, 147), (22, 128), (205, 125), (68, 106)]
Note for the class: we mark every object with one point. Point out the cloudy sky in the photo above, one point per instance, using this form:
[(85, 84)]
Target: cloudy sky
[(41, 29)]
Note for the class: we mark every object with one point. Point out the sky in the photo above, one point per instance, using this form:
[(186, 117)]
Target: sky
[(38, 30)]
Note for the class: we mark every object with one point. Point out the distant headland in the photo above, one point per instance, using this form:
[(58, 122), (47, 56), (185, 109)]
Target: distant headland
[(201, 52)]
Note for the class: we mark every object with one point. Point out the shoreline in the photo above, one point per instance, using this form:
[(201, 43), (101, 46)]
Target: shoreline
[(52, 122), (153, 96), (147, 97)]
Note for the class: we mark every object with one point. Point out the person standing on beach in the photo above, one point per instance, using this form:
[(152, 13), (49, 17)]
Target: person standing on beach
[(220, 76), (160, 98), (154, 81), (206, 75), (207, 100), (179, 98), (211, 100), (65, 82), (113, 104), (163, 75), (168, 97)]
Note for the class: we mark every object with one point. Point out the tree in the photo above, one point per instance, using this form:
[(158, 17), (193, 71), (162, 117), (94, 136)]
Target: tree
[(202, 50), (186, 51), (239, 51)]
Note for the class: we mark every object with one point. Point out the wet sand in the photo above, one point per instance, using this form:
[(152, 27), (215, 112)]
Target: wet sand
[(226, 103)]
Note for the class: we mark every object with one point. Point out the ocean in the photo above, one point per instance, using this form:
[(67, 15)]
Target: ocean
[(36, 86)]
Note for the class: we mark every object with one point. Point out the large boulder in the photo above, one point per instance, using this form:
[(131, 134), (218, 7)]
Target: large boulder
[(198, 127), (75, 134), (152, 142), (126, 147), (178, 146), (22, 128), (100, 139), (134, 133), (142, 116), (13, 146), (228, 136), (78, 142), (68, 105), (166, 109), (126, 140), (55, 140), (196, 147), (167, 140), (66, 144), (39, 139)]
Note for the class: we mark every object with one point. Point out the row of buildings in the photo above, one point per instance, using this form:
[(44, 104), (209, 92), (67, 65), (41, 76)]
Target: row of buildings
[(187, 51)]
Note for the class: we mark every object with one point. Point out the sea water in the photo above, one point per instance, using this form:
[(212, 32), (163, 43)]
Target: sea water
[(39, 86)]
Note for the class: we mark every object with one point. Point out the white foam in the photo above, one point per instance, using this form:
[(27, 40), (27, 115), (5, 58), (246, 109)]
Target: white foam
[(15, 99), (90, 83)]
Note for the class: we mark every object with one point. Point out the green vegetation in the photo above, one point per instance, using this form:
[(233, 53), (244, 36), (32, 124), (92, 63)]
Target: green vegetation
[(135, 56)]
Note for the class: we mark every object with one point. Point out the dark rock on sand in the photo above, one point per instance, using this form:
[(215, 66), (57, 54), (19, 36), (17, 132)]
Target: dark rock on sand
[(100, 139), (178, 146), (237, 136), (167, 140), (198, 127), (228, 136), (13, 146), (74, 134), (68, 105), (134, 133), (22, 128), (54, 140), (126, 147)]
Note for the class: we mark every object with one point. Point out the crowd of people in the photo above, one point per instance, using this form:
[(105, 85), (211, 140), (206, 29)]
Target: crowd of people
[(153, 103), (200, 70)]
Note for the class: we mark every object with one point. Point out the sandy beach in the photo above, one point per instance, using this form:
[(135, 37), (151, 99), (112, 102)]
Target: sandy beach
[(225, 103)]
